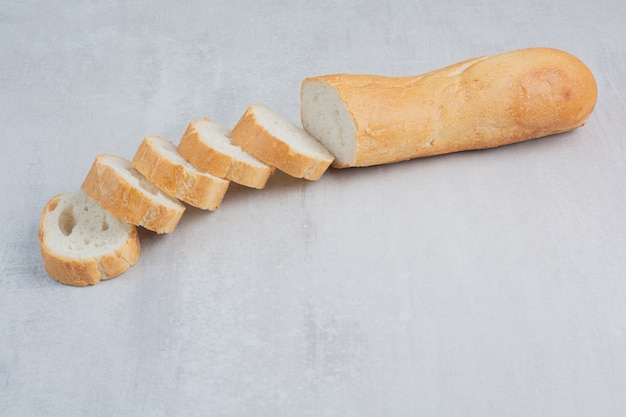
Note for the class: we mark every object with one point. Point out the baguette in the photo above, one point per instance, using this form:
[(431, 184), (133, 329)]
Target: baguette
[(128, 195), (270, 137), (81, 244), (480, 103), (208, 146), (158, 161)]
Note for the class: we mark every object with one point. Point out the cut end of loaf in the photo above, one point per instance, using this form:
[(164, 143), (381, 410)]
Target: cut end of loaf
[(479, 103), (326, 118)]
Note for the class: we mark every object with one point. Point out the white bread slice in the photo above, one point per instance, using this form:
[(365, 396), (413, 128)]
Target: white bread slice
[(81, 244), (128, 195), (208, 146), (158, 161), (269, 136)]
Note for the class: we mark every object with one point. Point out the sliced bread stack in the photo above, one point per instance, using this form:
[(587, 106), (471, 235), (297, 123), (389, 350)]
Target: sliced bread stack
[(90, 234), (363, 120)]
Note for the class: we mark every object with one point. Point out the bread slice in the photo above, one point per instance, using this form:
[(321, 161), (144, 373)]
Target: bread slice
[(128, 195), (208, 146), (81, 244), (158, 161), (273, 139)]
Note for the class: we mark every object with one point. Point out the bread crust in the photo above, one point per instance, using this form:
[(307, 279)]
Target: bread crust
[(114, 194), (189, 185), (480, 103), (255, 139), (209, 159), (81, 272)]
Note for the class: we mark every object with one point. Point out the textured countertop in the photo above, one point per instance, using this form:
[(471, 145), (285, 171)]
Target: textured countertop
[(486, 283)]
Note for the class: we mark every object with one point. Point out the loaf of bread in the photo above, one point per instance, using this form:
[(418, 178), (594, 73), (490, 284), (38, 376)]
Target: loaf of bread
[(129, 196), (270, 137), (208, 146), (158, 161), (348, 121), (480, 103), (82, 244)]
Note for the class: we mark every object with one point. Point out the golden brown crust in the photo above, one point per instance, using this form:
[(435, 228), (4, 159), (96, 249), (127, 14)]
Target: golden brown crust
[(257, 141), (81, 272), (114, 194), (191, 186), (209, 159), (480, 103)]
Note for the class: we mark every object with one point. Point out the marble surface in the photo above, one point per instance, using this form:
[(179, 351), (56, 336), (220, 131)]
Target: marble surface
[(487, 283)]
